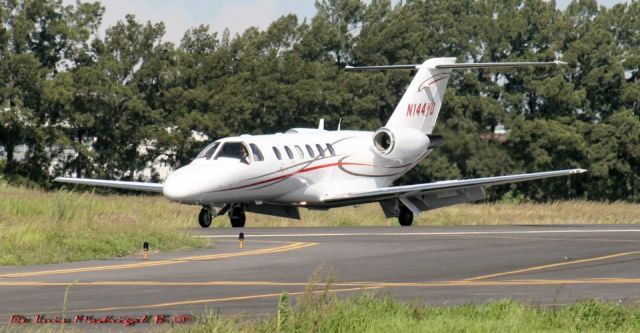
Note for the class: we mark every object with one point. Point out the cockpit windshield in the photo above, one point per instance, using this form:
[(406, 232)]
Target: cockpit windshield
[(208, 151), (235, 150)]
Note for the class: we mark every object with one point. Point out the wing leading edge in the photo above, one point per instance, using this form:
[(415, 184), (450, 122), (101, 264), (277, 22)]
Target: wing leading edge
[(350, 198), (140, 186)]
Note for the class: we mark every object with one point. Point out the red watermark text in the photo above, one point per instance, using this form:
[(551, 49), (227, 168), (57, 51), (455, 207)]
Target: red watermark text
[(101, 320)]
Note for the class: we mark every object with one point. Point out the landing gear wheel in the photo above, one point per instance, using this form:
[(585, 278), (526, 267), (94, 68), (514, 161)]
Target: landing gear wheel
[(237, 217), (204, 218), (405, 217)]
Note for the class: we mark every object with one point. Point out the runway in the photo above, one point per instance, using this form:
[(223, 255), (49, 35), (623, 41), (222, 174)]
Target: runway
[(429, 265)]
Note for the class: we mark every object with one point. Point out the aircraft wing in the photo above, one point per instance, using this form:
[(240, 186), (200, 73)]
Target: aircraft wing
[(140, 186), (470, 189)]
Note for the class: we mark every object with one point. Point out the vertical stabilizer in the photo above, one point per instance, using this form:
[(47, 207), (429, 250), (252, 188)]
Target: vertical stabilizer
[(420, 104)]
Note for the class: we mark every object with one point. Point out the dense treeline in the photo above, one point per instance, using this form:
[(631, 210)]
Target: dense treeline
[(92, 106)]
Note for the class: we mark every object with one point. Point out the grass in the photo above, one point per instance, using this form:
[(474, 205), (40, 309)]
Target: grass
[(319, 310), (51, 227), (369, 312)]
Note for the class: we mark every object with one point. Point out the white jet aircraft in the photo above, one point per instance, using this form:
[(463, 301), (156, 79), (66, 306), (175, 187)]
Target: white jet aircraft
[(277, 174)]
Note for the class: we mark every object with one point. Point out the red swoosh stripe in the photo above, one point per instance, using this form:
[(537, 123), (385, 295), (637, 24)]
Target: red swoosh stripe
[(303, 170), (440, 79)]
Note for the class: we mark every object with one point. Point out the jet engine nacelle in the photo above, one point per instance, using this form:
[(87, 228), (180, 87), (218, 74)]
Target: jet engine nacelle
[(400, 143)]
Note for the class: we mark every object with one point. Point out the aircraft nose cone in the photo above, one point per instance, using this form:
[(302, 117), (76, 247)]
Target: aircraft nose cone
[(195, 183), (179, 186)]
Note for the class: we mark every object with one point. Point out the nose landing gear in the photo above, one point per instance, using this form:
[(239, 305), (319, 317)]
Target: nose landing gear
[(236, 215), (205, 217)]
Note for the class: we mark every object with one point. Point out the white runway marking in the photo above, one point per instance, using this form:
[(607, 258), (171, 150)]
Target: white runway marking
[(452, 233)]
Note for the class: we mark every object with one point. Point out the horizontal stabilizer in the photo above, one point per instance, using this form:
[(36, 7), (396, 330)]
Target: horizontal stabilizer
[(140, 186), (458, 65), (384, 67), (499, 64)]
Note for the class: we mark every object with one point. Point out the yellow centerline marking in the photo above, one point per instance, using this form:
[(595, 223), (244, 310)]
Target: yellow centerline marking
[(284, 248), (214, 300), (524, 282), (541, 267), (171, 284)]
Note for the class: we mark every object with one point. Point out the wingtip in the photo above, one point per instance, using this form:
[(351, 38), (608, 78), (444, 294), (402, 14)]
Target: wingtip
[(560, 63), (63, 179), (580, 170)]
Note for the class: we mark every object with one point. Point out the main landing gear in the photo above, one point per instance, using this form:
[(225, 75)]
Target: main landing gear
[(405, 216), (236, 215)]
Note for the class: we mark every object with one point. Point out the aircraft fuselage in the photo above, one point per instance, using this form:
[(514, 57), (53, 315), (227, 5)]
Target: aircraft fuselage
[(306, 166)]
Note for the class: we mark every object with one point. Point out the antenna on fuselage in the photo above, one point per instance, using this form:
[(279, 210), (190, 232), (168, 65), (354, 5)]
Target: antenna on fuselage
[(321, 124), (339, 123)]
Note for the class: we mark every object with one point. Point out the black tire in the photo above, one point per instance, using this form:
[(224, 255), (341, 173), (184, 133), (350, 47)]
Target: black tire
[(204, 218), (406, 216), (237, 217)]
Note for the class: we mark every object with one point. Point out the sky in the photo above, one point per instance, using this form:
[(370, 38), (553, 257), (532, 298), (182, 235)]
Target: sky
[(237, 15)]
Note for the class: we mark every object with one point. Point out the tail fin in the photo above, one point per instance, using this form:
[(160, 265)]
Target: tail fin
[(420, 104)]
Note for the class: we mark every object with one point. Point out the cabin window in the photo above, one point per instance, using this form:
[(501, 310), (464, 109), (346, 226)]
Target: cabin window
[(330, 149), (235, 150), (257, 154), (320, 151), (277, 152), (310, 151), (289, 153), (208, 151), (299, 151)]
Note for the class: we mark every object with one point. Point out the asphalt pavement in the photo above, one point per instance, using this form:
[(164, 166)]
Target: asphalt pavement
[(432, 265)]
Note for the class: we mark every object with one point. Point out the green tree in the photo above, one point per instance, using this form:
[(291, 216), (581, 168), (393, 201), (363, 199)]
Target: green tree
[(39, 38), (113, 106)]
